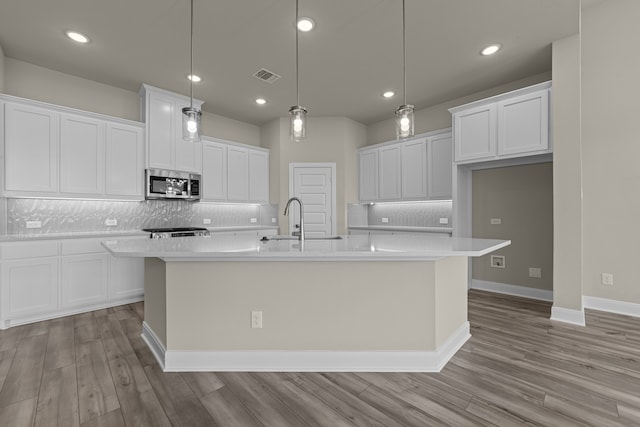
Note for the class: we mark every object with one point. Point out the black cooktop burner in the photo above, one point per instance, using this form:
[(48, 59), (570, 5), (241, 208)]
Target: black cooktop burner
[(173, 230)]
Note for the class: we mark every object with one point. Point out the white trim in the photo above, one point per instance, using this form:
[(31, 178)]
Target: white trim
[(332, 166), (154, 344), (611, 306), (309, 361), (520, 291), (567, 315)]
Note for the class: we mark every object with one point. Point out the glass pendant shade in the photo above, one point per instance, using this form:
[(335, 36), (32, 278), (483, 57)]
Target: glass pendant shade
[(191, 124), (404, 121), (297, 123)]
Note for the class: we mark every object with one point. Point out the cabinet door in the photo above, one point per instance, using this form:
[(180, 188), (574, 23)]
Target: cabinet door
[(186, 158), (237, 174), (124, 173), (81, 155), (31, 148), (414, 169), (440, 166), (475, 133), (161, 131), (389, 176), (29, 287), (214, 171), (523, 124), (126, 278), (83, 280), (368, 175), (258, 176)]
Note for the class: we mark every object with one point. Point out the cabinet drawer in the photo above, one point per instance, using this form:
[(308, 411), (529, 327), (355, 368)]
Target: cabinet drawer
[(19, 250), (82, 246)]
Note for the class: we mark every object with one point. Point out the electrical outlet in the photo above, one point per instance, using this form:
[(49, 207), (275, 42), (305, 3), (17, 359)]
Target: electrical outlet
[(497, 261), (253, 220), (111, 222), (273, 220), (607, 279), (34, 224), (385, 220), (444, 220), (535, 272), (256, 319), (206, 221), (496, 221)]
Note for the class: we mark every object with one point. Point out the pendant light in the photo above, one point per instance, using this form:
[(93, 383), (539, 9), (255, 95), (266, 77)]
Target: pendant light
[(190, 115), (297, 114), (404, 113)]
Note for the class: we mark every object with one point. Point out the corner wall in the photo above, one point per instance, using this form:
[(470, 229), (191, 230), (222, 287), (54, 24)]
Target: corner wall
[(2, 61)]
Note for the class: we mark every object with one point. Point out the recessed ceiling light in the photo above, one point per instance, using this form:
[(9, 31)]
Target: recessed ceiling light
[(261, 101), (388, 94), (306, 24), (194, 78), (77, 37), (490, 50)]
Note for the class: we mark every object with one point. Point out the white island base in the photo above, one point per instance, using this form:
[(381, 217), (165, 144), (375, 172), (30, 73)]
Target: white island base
[(375, 316)]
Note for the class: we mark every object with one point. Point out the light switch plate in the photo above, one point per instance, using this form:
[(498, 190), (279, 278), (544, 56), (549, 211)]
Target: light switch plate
[(256, 319)]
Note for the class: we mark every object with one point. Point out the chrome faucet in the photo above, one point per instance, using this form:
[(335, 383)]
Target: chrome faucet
[(286, 210)]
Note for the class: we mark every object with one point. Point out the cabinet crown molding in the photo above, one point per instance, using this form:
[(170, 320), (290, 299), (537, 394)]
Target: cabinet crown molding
[(502, 96)]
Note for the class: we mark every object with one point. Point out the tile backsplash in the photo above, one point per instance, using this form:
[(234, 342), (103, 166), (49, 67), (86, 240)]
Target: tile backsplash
[(404, 214), (68, 216)]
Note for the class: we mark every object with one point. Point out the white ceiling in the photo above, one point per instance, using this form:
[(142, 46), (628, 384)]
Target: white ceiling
[(353, 55)]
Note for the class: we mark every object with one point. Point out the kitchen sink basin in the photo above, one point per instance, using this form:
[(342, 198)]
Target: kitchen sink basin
[(285, 237)]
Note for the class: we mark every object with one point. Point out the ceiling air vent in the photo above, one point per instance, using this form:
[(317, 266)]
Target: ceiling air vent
[(266, 75)]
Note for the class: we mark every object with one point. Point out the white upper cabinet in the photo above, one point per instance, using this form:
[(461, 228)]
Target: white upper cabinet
[(53, 151), (440, 166), (389, 172), (124, 161), (31, 143), (475, 128), (414, 169), (524, 124), (237, 174), (368, 174), (162, 113), (258, 176), (214, 171), (81, 155), (514, 124), (419, 168)]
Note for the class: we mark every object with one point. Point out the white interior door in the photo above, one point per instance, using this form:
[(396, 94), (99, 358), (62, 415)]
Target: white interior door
[(314, 184)]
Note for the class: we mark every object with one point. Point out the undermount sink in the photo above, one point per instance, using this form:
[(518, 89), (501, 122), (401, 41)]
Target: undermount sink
[(286, 237)]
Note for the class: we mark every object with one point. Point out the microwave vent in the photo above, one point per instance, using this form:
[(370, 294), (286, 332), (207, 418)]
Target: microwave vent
[(266, 75)]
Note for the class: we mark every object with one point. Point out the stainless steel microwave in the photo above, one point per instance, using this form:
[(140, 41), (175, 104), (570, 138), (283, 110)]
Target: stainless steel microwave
[(174, 185)]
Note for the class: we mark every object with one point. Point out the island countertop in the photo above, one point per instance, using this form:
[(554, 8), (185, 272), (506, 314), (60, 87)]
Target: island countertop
[(347, 248)]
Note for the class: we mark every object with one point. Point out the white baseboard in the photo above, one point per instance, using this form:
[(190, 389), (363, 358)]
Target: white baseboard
[(520, 291), (567, 315), (611, 306), (154, 344), (307, 361)]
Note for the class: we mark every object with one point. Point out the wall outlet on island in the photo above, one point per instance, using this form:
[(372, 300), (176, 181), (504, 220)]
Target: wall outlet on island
[(253, 220), (385, 220), (497, 261), (496, 221), (256, 319), (206, 221), (34, 224), (535, 272), (607, 279), (444, 220), (111, 222)]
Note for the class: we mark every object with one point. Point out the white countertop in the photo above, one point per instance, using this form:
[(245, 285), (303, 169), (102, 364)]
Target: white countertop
[(402, 228), (410, 247)]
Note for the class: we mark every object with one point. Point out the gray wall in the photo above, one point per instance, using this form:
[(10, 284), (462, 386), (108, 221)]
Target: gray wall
[(522, 197), (33, 82), (2, 60)]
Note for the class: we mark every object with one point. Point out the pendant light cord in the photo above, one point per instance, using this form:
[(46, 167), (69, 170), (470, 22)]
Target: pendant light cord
[(191, 48), (404, 55), (297, 72)]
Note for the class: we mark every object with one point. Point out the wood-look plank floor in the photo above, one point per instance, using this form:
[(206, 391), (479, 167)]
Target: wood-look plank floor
[(519, 368)]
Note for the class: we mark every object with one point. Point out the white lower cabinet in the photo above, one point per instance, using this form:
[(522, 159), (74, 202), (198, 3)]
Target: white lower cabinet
[(29, 288), (126, 278), (83, 280), (52, 278)]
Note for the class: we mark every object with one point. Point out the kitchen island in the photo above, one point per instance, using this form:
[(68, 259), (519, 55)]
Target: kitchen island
[(358, 303)]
